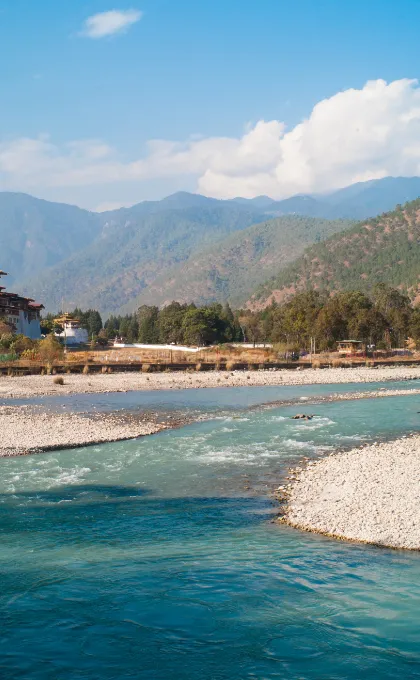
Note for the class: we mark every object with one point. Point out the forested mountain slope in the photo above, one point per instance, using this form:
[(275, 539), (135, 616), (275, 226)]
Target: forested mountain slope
[(231, 269), (36, 234), (132, 252), (383, 249), (161, 249)]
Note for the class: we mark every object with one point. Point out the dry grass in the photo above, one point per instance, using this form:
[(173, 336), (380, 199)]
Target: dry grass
[(341, 363)]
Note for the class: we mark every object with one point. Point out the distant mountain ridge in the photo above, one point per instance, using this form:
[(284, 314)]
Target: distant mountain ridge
[(111, 260)]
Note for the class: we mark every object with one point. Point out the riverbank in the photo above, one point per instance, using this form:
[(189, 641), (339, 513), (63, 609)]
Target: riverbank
[(369, 494), (40, 385), (26, 430)]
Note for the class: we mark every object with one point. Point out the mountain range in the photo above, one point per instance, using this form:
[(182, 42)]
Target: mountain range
[(384, 249), (186, 246)]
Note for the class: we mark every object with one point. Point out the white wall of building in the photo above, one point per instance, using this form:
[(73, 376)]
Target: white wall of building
[(74, 336)]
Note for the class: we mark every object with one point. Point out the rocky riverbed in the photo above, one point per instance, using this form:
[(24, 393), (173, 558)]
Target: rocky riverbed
[(27, 429), (369, 494), (38, 385)]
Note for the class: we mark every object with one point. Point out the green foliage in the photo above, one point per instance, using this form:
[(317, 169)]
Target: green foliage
[(175, 323), (386, 318), (382, 250), (21, 344), (133, 249), (233, 267), (6, 340)]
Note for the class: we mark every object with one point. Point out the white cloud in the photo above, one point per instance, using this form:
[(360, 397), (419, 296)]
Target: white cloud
[(108, 23), (353, 136)]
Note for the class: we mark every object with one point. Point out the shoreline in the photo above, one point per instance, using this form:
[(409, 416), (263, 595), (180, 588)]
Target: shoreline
[(367, 495), (24, 387), (39, 431)]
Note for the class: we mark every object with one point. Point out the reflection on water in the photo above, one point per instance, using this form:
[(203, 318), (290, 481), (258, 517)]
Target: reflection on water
[(157, 558)]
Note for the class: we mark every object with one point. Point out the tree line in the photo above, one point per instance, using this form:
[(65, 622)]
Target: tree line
[(384, 318)]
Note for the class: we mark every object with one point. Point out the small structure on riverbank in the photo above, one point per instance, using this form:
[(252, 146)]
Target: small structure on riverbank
[(350, 347), (73, 333), (22, 314)]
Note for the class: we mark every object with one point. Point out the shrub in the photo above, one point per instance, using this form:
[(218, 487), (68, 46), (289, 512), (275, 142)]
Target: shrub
[(6, 340), (30, 354), (230, 365), (85, 369), (58, 380), (316, 363), (146, 368), (49, 349), (21, 344)]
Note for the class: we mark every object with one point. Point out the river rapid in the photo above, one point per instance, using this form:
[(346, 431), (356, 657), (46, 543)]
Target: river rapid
[(159, 558)]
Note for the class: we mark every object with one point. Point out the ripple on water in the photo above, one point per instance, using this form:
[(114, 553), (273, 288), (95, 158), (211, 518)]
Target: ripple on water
[(146, 559)]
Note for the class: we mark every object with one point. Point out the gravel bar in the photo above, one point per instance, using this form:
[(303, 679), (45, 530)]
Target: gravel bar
[(369, 494), (27, 430), (39, 385)]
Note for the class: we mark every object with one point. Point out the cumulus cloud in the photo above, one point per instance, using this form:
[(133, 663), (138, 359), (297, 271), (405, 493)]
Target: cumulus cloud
[(355, 135), (108, 23)]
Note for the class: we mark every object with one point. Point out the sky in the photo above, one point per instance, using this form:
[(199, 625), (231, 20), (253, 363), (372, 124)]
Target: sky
[(105, 103)]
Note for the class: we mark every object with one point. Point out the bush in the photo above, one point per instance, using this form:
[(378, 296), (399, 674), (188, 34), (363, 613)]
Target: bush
[(30, 354), (50, 350), (85, 369), (6, 340), (58, 380), (230, 365), (22, 344), (341, 363), (146, 368)]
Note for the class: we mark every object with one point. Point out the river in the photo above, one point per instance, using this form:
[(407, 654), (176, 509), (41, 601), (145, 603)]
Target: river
[(159, 558)]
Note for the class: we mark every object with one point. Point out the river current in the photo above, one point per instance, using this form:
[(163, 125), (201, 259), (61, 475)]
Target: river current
[(159, 559)]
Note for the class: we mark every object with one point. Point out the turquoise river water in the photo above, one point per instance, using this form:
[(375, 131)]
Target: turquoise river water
[(159, 559)]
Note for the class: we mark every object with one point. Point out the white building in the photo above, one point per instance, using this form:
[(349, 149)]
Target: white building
[(22, 314), (73, 333)]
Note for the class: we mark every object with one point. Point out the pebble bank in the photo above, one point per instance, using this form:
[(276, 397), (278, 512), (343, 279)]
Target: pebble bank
[(38, 385), (369, 494)]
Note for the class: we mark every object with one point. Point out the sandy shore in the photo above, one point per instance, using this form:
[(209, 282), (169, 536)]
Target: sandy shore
[(27, 430), (370, 494), (32, 386)]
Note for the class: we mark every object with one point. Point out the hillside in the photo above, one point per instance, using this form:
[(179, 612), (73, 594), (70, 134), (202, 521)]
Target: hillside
[(157, 250), (36, 234), (132, 251), (382, 249), (232, 268)]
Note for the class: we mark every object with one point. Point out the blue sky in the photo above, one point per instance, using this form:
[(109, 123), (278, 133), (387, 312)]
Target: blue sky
[(208, 70)]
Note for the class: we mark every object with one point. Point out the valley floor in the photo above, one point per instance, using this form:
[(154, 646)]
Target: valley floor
[(37, 385)]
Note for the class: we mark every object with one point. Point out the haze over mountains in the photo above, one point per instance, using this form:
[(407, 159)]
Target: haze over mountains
[(186, 246)]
